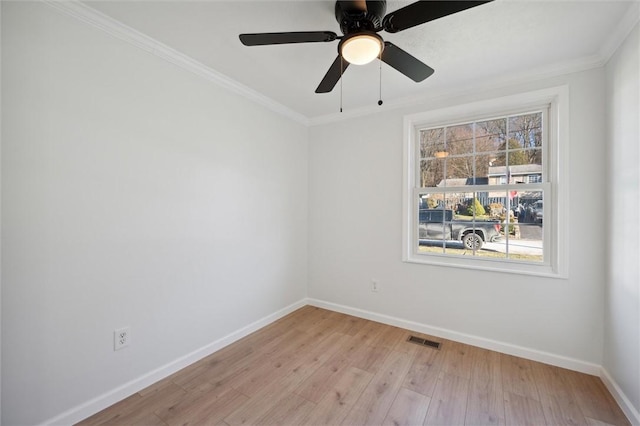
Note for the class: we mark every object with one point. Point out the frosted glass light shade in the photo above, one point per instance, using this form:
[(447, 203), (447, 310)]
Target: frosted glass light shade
[(361, 49)]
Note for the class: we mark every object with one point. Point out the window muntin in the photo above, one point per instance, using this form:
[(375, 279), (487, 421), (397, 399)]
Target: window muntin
[(552, 188), (495, 162), (508, 148), (499, 161)]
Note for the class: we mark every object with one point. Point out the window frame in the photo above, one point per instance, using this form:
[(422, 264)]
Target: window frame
[(555, 183)]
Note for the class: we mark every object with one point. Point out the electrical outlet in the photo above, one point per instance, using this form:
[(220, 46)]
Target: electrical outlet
[(121, 338), (374, 286)]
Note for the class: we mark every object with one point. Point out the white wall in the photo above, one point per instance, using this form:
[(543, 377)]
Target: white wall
[(355, 208), (133, 193), (622, 301)]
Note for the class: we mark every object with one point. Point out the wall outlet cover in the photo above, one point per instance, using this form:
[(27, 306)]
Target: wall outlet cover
[(121, 338)]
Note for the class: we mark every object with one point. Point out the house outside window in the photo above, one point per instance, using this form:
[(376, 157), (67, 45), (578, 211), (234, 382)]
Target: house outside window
[(482, 185), (534, 178)]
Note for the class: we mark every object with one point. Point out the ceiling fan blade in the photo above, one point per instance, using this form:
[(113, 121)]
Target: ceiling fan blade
[(261, 39), (424, 11), (405, 63), (333, 75)]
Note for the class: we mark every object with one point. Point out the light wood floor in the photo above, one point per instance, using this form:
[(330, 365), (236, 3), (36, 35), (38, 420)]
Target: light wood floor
[(319, 367)]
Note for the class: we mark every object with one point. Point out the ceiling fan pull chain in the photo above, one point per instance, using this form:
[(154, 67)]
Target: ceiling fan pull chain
[(380, 62)]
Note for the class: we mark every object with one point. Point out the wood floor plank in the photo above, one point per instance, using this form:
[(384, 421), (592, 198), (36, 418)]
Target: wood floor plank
[(594, 422), (350, 325), (245, 354), (518, 377), (369, 359), (521, 410), (487, 369), (422, 376), (369, 332), (594, 400), (329, 373), (390, 337), (337, 402), (320, 322), (275, 392), (458, 358), (257, 375), (206, 407), (558, 402), (449, 401), (485, 405), (137, 409), (409, 408), (317, 367), (378, 396), (291, 410), (113, 412)]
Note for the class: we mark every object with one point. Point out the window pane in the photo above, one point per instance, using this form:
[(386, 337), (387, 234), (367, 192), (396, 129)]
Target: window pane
[(526, 130), (534, 178), (431, 217), (459, 139), (535, 156), (431, 141), (490, 135), (502, 224), (517, 157), (432, 173), (531, 206), (483, 162), (495, 225), (524, 241), (460, 171)]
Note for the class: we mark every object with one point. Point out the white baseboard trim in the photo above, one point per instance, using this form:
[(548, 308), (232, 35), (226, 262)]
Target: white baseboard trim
[(101, 402), (107, 399), (625, 404), (506, 348)]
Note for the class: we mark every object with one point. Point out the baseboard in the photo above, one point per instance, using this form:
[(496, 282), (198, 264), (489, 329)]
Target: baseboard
[(625, 404), (101, 402), (506, 348)]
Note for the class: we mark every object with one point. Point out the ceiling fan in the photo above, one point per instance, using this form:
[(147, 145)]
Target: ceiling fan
[(360, 21)]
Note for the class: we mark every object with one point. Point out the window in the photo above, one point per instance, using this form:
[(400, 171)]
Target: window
[(482, 185)]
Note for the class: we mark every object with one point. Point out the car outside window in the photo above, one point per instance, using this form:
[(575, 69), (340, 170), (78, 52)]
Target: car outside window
[(478, 189)]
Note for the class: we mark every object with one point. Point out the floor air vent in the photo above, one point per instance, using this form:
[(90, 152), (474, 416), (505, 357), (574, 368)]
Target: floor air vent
[(424, 342)]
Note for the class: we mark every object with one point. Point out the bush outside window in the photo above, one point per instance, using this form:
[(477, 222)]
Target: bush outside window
[(480, 190)]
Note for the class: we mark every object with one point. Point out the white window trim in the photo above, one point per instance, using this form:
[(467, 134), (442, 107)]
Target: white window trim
[(555, 196)]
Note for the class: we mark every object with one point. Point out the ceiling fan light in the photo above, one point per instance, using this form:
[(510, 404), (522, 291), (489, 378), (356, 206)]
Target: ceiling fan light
[(361, 49)]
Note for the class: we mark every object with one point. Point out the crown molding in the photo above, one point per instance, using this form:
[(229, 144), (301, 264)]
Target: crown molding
[(447, 92), (621, 31), (600, 59), (99, 20)]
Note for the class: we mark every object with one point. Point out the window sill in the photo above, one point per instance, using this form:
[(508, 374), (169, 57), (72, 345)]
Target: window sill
[(480, 264)]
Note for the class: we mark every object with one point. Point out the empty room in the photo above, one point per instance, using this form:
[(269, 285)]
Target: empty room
[(319, 213)]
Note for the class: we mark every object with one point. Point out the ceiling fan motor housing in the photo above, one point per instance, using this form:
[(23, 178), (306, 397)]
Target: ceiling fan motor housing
[(356, 16)]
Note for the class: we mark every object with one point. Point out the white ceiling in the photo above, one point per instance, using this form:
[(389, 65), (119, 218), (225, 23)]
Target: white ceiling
[(498, 41)]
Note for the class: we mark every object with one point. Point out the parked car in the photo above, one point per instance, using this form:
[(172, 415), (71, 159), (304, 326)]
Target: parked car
[(537, 211), (439, 224)]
